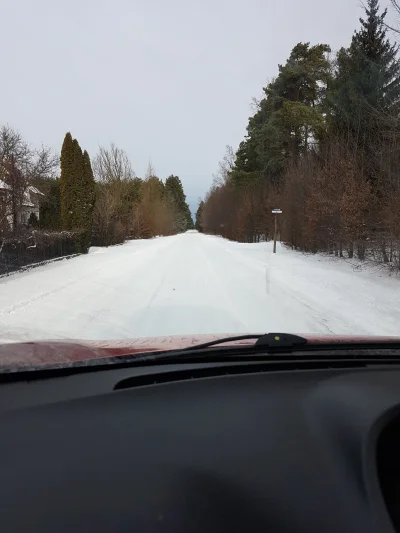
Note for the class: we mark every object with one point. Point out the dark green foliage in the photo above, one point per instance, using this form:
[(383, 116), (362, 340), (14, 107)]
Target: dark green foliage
[(188, 217), (88, 200), (367, 80), (67, 183), (247, 156), (134, 188), (176, 196), (129, 196), (50, 205), (289, 118), (294, 108), (35, 247), (173, 185), (198, 224), (77, 192), (33, 221)]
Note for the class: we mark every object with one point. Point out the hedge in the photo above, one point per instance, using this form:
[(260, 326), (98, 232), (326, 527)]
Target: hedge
[(36, 247)]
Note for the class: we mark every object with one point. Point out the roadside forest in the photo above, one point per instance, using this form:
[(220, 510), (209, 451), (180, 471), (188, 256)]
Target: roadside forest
[(55, 206), (323, 145), (100, 202)]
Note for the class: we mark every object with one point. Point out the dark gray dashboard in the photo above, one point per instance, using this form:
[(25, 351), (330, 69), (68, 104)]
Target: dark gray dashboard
[(265, 451)]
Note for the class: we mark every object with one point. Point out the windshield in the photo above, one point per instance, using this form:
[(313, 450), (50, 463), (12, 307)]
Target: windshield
[(180, 169)]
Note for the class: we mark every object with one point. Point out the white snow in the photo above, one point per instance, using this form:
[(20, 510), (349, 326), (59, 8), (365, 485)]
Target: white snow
[(193, 283)]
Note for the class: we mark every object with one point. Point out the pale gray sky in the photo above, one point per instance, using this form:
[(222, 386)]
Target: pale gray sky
[(167, 80)]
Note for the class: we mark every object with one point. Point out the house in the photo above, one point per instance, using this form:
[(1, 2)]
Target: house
[(30, 204)]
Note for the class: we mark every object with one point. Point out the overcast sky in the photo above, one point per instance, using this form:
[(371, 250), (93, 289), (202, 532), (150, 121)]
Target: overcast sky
[(167, 80)]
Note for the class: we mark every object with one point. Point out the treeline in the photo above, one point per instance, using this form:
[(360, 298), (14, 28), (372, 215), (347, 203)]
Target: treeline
[(324, 146), (118, 205), (100, 202), (131, 207)]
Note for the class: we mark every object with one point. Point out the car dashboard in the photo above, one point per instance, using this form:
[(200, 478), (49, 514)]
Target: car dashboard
[(202, 448)]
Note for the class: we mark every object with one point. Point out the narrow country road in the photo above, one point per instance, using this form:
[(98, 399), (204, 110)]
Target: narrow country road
[(193, 283)]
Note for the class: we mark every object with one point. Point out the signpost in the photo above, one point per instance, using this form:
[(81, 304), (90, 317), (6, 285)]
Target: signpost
[(276, 212)]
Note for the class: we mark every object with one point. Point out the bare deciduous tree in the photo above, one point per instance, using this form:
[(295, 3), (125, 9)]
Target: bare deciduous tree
[(225, 167), (45, 164), (112, 216), (150, 172), (19, 165), (396, 7), (112, 164)]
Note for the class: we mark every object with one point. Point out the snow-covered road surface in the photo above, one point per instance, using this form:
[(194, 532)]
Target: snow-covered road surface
[(193, 283)]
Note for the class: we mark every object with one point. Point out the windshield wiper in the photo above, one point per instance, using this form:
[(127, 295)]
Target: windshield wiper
[(283, 340), (271, 342)]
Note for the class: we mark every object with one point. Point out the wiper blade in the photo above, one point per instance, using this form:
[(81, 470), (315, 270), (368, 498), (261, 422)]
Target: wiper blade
[(282, 344), (283, 340), (216, 342), (273, 342)]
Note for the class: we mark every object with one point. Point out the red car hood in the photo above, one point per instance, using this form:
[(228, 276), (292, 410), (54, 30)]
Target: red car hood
[(42, 353)]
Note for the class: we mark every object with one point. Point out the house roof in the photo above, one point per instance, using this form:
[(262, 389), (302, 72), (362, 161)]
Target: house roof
[(27, 200), (33, 189), (29, 189)]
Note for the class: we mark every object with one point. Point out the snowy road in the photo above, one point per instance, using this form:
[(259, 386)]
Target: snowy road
[(193, 283)]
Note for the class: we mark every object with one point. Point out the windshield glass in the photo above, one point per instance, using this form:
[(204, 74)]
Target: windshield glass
[(180, 169)]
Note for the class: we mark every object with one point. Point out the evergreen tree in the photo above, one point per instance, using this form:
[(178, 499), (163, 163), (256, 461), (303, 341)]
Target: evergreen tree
[(198, 224), (173, 186), (77, 192), (289, 119), (50, 208), (67, 183), (155, 188), (367, 80), (77, 189), (176, 195), (88, 199), (189, 219), (294, 108)]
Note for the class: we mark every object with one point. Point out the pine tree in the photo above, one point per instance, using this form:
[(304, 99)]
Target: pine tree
[(175, 193), (199, 212), (295, 107), (189, 219), (289, 119), (367, 81)]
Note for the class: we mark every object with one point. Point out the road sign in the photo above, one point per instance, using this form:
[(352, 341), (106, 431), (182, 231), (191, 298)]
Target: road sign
[(276, 212)]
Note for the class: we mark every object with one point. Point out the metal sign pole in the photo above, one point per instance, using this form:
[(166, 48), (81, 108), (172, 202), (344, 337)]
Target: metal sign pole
[(276, 212)]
